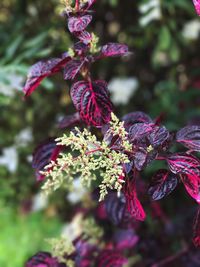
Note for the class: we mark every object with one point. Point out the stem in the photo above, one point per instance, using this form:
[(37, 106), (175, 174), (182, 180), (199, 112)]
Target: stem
[(93, 151), (77, 5), (171, 258)]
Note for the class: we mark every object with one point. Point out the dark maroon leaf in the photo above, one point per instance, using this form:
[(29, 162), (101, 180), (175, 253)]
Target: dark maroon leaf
[(189, 136), (117, 212), (41, 70), (135, 208), (43, 259), (69, 121), (113, 50), (72, 68), (158, 136), (78, 24), (133, 204), (80, 48), (140, 159), (84, 252), (136, 117), (192, 184), (110, 258), (183, 163), (163, 183), (196, 235), (45, 153), (115, 208), (139, 130), (92, 102), (112, 140), (125, 238), (84, 36), (128, 167)]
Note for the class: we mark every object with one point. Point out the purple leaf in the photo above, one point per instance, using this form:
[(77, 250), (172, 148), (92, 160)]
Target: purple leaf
[(136, 117), (197, 6), (92, 102), (69, 121), (196, 236), (135, 208), (163, 183), (189, 136), (140, 159), (84, 36), (114, 50), (110, 258), (84, 252), (80, 48), (78, 24), (158, 136), (41, 70), (183, 163), (125, 239), (117, 213), (133, 204), (139, 130), (43, 259), (45, 153), (115, 208), (72, 68), (192, 185), (128, 167)]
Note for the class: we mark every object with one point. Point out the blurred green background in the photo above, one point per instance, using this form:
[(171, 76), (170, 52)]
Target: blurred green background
[(161, 77)]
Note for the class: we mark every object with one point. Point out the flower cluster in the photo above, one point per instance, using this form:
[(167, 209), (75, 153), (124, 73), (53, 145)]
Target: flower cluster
[(89, 157)]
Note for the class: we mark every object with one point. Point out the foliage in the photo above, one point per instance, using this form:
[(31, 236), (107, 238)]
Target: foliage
[(164, 39), (126, 150)]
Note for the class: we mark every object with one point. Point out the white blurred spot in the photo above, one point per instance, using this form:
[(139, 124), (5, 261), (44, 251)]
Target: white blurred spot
[(122, 89), (78, 192), (40, 201), (9, 159), (150, 11), (191, 30)]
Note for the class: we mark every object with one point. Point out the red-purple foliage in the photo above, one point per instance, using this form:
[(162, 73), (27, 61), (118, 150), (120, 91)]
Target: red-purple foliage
[(69, 121), (109, 258), (197, 6), (41, 70), (162, 184), (114, 50), (149, 141), (78, 24), (133, 204), (92, 102), (43, 259), (125, 238), (94, 106), (189, 136), (46, 152), (72, 68)]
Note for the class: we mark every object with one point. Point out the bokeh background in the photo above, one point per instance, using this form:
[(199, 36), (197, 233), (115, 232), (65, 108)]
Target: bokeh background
[(161, 77)]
